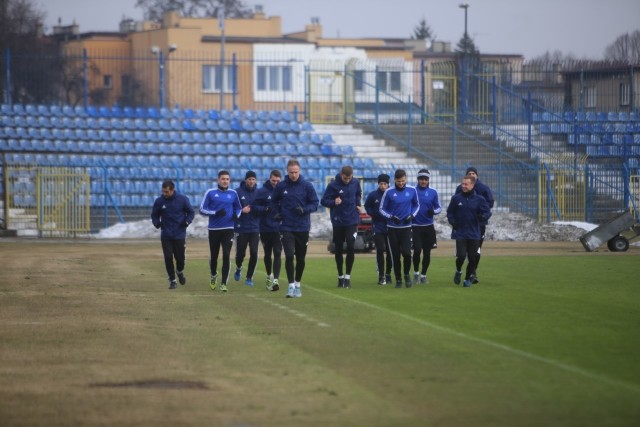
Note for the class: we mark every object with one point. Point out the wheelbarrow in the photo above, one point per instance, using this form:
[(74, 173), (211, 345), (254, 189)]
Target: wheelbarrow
[(617, 232)]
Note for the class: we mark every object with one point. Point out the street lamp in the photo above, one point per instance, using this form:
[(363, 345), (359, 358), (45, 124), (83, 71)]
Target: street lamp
[(464, 6)]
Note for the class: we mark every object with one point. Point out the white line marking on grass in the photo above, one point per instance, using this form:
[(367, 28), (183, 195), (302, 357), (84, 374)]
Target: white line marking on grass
[(525, 354), (290, 310)]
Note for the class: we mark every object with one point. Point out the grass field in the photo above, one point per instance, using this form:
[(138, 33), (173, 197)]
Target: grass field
[(91, 336)]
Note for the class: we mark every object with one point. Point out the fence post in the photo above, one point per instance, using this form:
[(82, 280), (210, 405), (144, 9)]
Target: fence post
[(454, 131), (494, 107), (377, 104), (529, 122), (410, 128), (234, 81), (161, 70), (85, 79), (423, 95), (7, 94)]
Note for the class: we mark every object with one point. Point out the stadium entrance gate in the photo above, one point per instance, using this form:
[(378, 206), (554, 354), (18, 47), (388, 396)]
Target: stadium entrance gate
[(562, 191)]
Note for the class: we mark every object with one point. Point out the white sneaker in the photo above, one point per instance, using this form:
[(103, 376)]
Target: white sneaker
[(291, 292)]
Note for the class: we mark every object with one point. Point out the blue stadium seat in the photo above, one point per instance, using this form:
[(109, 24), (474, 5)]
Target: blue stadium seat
[(210, 137), (221, 149), (152, 124), (198, 137), (187, 124), (260, 126), (213, 115), (222, 137), (128, 124), (140, 124), (116, 123), (293, 138), (200, 125), (257, 138)]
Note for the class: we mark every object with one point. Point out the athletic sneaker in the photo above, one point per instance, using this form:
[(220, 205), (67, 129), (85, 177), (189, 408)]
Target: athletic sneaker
[(407, 280), (269, 284), (423, 279), (181, 278), (237, 275), (381, 281), (275, 287), (387, 278), (223, 287), (248, 282), (474, 279), (173, 284), (398, 283), (466, 283), (340, 282), (297, 292), (291, 292), (416, 277), (456, 278), (213, 283), (347, 283)]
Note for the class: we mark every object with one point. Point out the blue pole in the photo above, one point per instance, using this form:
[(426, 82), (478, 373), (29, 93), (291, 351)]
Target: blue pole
[(161, 65), (85, 94), (494, 107), (529, 120), (7, 95), (410, 136), (234, 82), (377, 104), (423, 94)]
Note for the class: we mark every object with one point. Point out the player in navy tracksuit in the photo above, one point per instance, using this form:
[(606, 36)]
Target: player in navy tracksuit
[(483, 190), (269, 230), (247, 228), (400, 205), (372, 206), (221, 205), (424, 232), (294, 199), (466, 211), (172, 213), (343, 197)]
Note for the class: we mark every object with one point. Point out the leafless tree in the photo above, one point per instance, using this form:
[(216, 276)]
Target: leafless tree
[(155, 9), (626, 48)]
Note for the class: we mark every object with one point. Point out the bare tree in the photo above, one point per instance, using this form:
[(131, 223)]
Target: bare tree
[(626, 48), (155, 9), (423, 31)]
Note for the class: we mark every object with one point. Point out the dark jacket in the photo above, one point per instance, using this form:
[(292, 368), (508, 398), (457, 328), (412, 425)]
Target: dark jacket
[(372, 206), (483, 190), (288, 196), (172, 215), (465, 214), (248, 222), (262, 206), (345, 213)]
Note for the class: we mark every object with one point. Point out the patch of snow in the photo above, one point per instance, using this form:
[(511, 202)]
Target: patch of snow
[(502, 226)]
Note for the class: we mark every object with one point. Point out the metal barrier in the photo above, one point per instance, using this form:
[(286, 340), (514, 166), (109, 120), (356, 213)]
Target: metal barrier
[(55, 201)]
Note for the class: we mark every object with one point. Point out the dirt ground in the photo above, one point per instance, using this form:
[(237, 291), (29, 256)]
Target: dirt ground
[(317, 248)]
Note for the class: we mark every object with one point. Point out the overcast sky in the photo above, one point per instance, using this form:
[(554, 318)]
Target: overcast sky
[(583, 28)]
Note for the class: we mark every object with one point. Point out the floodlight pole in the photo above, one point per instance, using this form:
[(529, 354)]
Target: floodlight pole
[(464, 6)]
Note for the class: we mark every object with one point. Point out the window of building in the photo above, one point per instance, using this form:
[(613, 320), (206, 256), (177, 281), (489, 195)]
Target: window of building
[(390, 81), (213, 80), (625, 94), (107, 81), (590, 97), (358, 76), (274, 78)]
